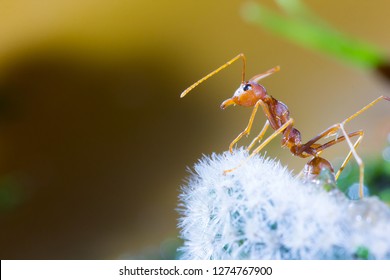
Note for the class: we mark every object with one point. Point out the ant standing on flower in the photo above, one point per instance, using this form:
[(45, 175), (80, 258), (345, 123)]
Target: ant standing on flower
[(252, 94)]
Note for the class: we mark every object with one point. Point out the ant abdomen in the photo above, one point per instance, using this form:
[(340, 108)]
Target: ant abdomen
[(315, 166)]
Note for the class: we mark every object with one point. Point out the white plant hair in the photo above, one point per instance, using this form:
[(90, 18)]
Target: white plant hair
[(261, 211)]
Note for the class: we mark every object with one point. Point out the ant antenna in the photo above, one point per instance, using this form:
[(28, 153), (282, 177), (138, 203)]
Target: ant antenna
[(257, 78), (241, 55)]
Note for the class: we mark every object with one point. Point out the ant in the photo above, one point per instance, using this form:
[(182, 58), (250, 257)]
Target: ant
[(252, 94)]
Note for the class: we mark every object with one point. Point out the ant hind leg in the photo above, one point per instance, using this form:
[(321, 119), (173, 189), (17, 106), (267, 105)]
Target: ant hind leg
[(346, 137), (348, 157), (357, 158)]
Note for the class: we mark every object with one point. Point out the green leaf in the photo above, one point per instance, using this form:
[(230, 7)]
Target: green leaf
[(314, 35)]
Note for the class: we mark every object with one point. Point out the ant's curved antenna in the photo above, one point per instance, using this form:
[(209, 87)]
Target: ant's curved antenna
[(241, 55), (258, 77)]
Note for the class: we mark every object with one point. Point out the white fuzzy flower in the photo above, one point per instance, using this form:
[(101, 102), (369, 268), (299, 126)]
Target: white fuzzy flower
[(261, 211)]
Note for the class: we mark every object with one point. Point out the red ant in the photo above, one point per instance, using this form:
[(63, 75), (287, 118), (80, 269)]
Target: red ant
[(252, 94)]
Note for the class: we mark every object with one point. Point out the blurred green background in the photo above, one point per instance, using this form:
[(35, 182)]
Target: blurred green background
[(94, 139)]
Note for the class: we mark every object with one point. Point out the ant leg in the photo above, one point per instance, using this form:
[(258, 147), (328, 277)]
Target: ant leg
[(353, 147), (241, 55), (366, 107), (263, 144), (332, 130), (265, 127), (358, 160), (258, 137), (248, 128), (272, 136), (369, 105), (346, 137), (321, 148), (357, 143)]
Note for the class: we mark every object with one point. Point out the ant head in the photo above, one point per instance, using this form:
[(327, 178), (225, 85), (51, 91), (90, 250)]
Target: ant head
[(246, 95)]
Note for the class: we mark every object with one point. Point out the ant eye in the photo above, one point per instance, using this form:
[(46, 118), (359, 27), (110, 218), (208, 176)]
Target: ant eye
[(247, 87)]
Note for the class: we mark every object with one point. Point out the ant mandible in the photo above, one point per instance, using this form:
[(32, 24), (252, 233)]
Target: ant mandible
[(252, 94)]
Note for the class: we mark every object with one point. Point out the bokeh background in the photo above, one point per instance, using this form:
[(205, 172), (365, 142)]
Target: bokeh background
[(94, 139)]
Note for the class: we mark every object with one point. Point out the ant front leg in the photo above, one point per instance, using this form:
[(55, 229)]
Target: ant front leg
[(263, 144), (258, 138), (272, 136), (248, 128)]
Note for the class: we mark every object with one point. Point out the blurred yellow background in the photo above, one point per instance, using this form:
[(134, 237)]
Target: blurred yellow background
[(94, 139)]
